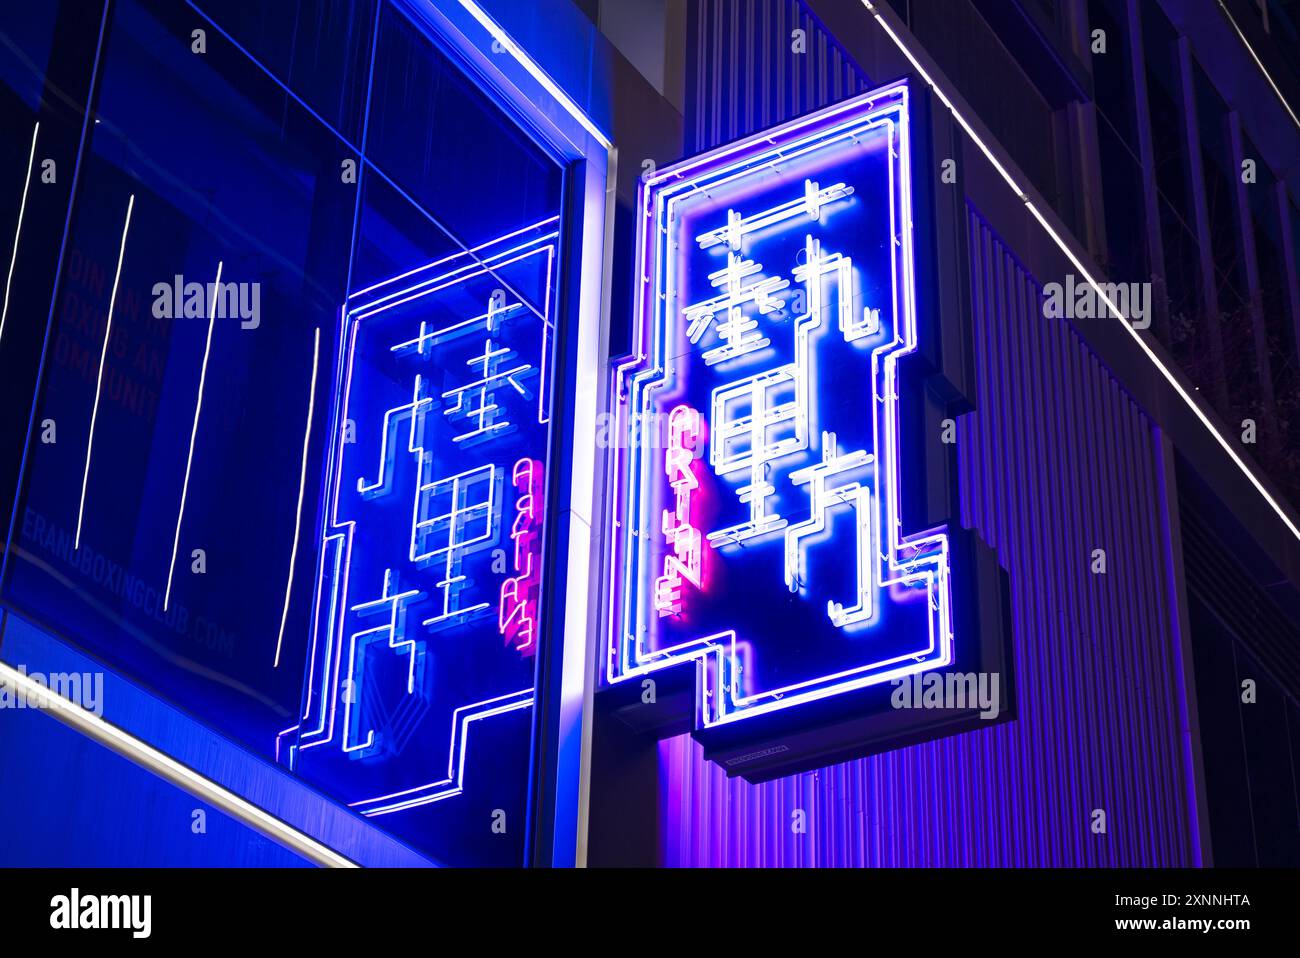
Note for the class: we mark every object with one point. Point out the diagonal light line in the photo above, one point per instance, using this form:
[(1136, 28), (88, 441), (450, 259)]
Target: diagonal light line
[(31, 157), (302, 485), (58, 273), (99, 380), (535, 71), (1259, 63), (194, 431), (166, 767), (1165, 371)]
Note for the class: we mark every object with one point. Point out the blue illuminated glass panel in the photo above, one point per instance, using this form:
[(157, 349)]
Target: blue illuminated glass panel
[(427, 628), (758, 501), (157, 518), (307, 506)]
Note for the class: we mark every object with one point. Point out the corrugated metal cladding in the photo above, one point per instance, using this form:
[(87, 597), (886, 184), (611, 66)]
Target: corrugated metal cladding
[(743, 73), (1056, 461)]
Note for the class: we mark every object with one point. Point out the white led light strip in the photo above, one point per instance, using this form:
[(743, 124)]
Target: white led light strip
[(194, 432), (99, 379), (149, 758), (1259, 63), (1168, 374), (22, 210), (535, 71), (302, 486)]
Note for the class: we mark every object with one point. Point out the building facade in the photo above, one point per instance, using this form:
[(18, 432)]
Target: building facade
[(277, 270)]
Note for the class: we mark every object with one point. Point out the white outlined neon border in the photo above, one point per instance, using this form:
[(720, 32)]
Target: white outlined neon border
[(320, 705), (718, 658)]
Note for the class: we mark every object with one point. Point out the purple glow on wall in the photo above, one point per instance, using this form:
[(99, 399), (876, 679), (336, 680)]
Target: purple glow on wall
[(1056, 461)]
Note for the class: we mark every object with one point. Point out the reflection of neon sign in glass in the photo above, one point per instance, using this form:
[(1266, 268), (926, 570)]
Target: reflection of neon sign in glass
[(777, 299), (436, 477), (517, 614)]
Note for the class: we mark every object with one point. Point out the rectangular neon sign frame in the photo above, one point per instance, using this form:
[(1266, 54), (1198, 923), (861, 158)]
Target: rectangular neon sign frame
[(338, 649), (721, 697)]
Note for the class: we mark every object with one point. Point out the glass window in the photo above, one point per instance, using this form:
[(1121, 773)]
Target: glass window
[(299, 387), (156, 528), (1219, 178), (320, 49), (46, 55)]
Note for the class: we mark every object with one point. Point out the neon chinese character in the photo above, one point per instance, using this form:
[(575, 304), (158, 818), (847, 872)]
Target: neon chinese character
[(464, 508), (517, 614), (685, 562), (742, 286), (823, 496), (755, 422), (475, 403), (393, 632)]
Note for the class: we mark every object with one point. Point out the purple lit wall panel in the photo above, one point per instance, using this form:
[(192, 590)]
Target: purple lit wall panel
[(1056, 461), (744, 76)]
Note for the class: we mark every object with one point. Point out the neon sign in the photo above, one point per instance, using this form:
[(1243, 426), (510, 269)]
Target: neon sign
[(517, 613), (764, 550), (428, 594), (685, 562)]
